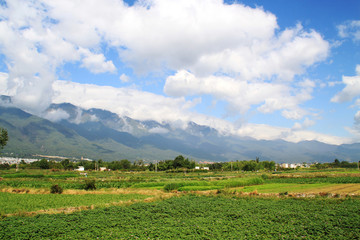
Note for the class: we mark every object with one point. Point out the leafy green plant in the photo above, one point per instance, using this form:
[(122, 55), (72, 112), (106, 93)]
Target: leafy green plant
[(172, 186)]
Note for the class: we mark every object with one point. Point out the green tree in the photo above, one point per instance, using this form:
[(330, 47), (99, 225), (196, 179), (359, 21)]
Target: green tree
[(67, 165), (250, 166), (125, 164), (179, 162), (44, 164), (3, 137), (151, 167)]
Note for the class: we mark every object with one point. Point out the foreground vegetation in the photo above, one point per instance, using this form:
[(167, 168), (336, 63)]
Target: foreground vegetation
[(304, 203), (198, 217)]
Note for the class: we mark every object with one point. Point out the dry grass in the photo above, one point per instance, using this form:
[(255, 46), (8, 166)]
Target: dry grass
[(25, 190), (346, 188)]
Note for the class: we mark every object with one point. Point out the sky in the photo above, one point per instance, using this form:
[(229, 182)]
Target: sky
[(263, 69)]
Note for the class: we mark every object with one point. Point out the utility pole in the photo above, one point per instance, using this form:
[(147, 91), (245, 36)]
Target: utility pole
[(155, 165)]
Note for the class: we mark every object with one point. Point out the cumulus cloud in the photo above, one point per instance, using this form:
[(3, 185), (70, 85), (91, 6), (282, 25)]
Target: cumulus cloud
[(96, 63), (350, 29), (241, 95), (351, 89)]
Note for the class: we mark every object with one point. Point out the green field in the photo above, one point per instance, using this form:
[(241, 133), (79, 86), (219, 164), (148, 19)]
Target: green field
[(198, 217), (19, 203), (148, 205)]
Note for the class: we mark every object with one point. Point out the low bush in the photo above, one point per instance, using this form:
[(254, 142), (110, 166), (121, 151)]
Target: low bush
[(56, 189), (89, 185)]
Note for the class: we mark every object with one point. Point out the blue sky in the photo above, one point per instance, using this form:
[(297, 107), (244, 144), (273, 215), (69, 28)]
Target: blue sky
[(265, 69)]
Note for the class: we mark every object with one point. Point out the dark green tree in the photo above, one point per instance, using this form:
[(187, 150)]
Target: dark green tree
[(3, 137), (125, 164)]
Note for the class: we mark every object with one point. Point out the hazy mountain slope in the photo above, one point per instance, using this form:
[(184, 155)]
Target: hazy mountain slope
[(30, 135), (95, 133)]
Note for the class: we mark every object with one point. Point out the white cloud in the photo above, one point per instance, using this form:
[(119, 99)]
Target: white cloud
[(266, 132), (301, 126), (96, 63), (123, 101), (279, 57), (56, 115), (350, 29), (3, 83), (184, 35), (242, 95), (351, 90), (159, 130), (357, 118), (124, 78)]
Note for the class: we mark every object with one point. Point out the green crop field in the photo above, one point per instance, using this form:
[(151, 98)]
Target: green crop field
[(198, 217), (169, 205)]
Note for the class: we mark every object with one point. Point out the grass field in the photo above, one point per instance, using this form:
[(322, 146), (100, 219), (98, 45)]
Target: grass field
[(214, 205)]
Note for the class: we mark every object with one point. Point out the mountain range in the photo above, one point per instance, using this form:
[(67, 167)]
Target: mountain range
[(70, 131)]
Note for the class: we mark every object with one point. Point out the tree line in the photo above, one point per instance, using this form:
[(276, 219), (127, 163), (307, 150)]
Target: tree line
[(245, 165), (337, 164), (180, 163)]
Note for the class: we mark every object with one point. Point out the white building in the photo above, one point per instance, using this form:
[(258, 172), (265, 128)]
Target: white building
[(80, 169)]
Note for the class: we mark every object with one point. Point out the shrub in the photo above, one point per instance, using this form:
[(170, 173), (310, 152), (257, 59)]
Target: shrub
[(89, 185), (265, 176), (56, 189), (172, 186)]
